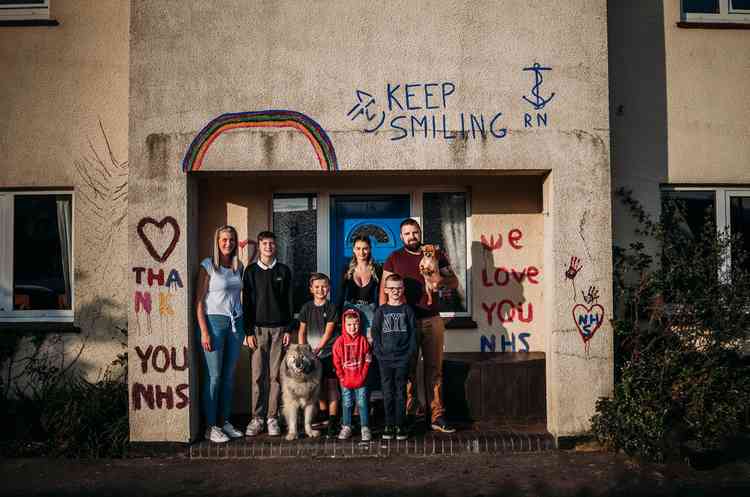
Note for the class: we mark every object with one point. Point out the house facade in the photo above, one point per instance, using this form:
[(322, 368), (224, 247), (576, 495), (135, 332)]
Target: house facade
[(138, 128)]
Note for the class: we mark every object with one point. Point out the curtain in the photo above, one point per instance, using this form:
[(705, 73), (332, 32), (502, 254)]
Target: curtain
[(64, 231)]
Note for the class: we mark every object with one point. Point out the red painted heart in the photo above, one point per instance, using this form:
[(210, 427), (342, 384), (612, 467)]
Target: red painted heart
[(159, 224), (588, 319)]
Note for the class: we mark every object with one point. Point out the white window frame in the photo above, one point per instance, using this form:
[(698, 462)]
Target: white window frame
[(24, 12), (415, 207), (6, 264), (726, 14), (721, 198)]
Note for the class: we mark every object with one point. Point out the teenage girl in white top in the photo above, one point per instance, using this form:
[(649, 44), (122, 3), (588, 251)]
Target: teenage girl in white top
[(219, 313)]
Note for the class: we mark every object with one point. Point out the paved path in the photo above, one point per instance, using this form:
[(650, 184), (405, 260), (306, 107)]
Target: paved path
[(538, 474)]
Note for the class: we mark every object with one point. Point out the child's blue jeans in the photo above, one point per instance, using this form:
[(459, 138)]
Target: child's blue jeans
[(218, 380), (347, 397)]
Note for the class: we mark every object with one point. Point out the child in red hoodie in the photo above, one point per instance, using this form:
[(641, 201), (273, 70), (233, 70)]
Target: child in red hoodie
[(351, 358)]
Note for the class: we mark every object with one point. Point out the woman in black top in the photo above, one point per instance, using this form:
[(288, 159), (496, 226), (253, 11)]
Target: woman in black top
[(361, 283)]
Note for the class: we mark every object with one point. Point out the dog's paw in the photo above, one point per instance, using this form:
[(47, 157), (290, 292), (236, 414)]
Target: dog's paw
[(313, 433), (291, 436)]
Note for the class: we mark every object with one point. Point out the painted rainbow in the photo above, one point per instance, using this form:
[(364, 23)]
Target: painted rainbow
[(261, 119)]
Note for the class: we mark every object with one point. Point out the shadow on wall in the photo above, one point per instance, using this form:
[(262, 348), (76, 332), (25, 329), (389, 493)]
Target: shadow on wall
[(507, 304), (637, 106)]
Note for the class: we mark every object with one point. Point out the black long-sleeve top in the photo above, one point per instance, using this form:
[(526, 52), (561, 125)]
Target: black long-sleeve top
[(349, 291), (267, 297)]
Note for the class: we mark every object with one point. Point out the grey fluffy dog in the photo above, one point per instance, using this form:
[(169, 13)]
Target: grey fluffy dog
[(301, 374)]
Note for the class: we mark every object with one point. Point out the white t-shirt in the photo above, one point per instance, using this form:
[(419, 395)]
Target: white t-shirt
[(224, 289)]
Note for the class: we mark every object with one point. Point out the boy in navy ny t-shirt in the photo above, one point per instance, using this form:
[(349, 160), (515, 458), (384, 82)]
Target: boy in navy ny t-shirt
[(394, 342)]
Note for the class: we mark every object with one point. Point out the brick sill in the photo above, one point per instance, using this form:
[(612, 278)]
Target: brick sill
[(38, 327), (713, 25)]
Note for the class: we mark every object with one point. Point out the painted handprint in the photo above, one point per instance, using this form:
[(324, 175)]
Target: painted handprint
[(591, 296), (573, 268)]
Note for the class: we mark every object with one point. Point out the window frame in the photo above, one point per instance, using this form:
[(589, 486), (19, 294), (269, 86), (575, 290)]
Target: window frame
[(25, 12), (7, 225), (722, 195), (415, 207), (726, 14)]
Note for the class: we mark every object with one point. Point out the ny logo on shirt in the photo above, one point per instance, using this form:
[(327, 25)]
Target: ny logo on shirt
[(394, 323)]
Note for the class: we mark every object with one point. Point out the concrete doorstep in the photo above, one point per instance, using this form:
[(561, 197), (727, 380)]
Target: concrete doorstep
[(427, 445)]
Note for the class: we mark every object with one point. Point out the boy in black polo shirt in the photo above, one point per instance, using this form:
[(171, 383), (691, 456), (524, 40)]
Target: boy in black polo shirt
[(267, 307)]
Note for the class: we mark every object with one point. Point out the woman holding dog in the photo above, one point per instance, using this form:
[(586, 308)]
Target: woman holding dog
[(219, 314)]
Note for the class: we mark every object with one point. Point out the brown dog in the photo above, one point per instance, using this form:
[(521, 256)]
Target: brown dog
[(428, 267)]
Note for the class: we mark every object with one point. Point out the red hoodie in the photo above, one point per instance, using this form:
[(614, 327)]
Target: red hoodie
[(351, 358)]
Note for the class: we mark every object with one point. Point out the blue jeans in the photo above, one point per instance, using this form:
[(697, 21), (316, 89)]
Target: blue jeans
[(219, 366), (347, 399)]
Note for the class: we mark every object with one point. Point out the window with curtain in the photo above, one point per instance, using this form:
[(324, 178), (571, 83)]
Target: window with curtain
[(295, 223), (36, 256), (444, 224)]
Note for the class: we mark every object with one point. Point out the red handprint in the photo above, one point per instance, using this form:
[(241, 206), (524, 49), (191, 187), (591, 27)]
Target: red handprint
[(575, 266)]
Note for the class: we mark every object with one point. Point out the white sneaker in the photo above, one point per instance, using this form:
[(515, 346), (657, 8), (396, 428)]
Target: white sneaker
[(366, 435), (215, 434), (254, 428), (345, 433), (230, 430), (273, 427)]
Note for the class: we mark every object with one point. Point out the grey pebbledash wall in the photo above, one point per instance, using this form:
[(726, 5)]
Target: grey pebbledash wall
[(481, 87)]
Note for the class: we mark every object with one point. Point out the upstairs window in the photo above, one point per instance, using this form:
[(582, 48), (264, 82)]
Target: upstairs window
[(36, 256), (24, 10), (719, 11)]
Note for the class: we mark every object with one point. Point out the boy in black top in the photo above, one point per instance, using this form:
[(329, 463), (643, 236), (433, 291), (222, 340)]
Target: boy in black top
[(268, 310), (317, 327), (394, 342)]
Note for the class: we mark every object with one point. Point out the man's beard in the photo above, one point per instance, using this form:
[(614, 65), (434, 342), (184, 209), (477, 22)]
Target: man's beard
[(413, 246)]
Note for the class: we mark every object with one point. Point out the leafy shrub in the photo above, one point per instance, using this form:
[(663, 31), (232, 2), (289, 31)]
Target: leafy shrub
[(54, 410), (680, 326)]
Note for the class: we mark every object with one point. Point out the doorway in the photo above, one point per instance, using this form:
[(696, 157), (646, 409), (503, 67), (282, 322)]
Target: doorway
[(376, 216)]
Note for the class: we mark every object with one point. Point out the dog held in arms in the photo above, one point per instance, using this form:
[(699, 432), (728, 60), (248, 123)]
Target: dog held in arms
[(301, 374), (428, 267)]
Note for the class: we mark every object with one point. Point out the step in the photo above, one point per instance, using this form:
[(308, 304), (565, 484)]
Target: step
[(428, 445)]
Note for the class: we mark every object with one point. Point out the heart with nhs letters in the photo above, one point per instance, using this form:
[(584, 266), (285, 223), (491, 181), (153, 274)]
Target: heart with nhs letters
[(588, 319), (157, 238)]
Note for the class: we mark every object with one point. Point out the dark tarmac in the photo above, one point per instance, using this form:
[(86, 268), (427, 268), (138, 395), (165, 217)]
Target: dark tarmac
[(532, 474)]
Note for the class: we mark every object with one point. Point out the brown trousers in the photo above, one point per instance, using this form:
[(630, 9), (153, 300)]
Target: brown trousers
[(266, 361), (430, 340)]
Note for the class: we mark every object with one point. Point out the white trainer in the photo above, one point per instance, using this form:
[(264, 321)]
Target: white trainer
[(254, 428), (230, 430), (345, 433), (366, 435), (273, 427), (214, 434)]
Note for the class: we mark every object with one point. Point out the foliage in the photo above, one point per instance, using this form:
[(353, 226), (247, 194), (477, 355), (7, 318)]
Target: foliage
[(52, 409), (681, 321)]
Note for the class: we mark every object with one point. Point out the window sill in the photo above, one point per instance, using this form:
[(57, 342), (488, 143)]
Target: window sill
[(24, 23), (712, 25), (38, 327), (460, 323)]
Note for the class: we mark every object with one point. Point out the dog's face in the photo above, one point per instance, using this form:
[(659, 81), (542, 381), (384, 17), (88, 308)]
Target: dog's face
[(429, 251), (300, 359)]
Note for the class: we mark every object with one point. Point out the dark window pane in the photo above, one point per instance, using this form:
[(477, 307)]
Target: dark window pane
[(687, 212), (739, 4), (740, 221), (445, 225), (42, 252), (295, 223), (701, 6)]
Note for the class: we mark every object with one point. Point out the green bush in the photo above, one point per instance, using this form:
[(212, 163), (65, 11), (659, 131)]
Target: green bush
[(52, 409), (681, 321)]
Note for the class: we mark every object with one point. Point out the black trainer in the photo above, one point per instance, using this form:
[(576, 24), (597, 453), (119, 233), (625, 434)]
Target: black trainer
[(442, 426), (401, 433), (388, 432), (333, 427)]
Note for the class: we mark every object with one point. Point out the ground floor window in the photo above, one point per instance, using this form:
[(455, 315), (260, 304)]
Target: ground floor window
[(705, 209), (36, 256)]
